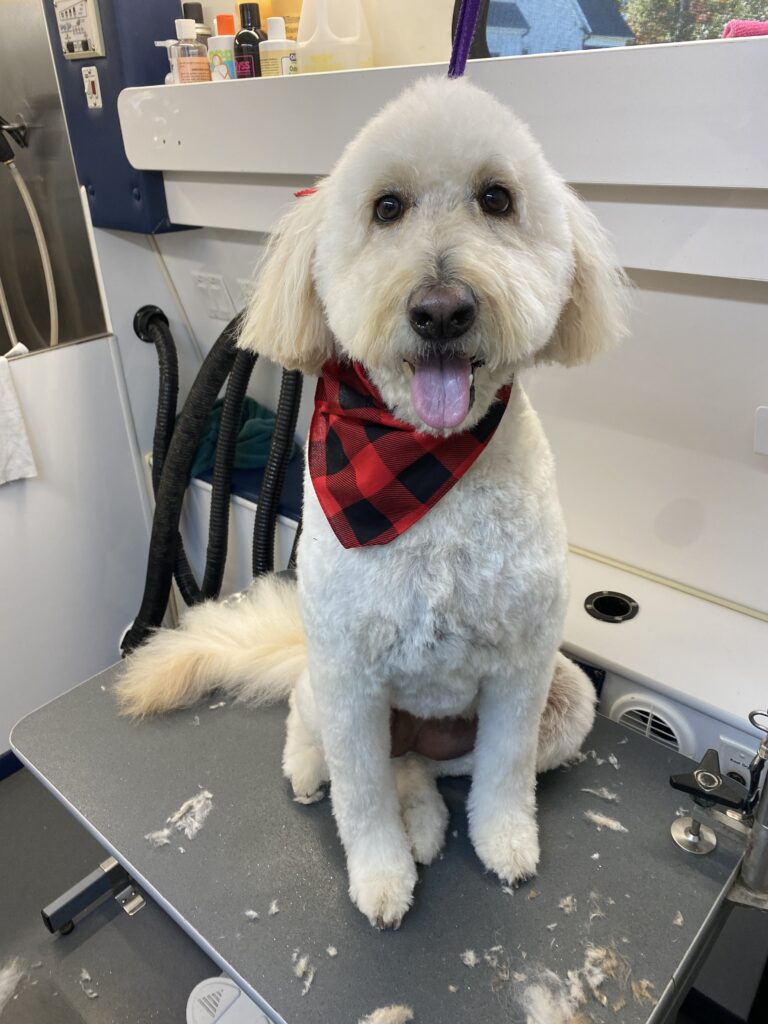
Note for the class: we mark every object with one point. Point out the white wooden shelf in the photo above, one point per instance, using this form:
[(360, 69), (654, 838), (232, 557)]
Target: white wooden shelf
[(633, 116), (667, 142)]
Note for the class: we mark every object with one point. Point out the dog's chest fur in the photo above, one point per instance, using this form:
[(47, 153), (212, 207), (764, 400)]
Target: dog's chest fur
[(459, 596)]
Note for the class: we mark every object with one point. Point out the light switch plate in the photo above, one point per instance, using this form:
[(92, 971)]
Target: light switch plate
[(761, 430), (218, 303)]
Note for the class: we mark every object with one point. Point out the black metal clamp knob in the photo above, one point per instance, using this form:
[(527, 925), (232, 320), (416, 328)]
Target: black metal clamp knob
[(709, 787)]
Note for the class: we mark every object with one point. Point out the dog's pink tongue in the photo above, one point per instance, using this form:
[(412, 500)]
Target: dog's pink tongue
[(440, 391)]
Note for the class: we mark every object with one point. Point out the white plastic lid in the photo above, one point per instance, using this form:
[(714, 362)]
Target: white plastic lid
[(276, 28), (186, 28)]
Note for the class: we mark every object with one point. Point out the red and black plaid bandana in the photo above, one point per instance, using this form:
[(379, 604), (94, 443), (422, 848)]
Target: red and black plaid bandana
[(375, 476)]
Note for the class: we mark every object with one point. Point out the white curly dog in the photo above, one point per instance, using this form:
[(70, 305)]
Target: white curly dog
[(444, 194)]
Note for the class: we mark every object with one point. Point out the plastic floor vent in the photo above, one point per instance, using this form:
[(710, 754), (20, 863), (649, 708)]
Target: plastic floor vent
[(651, 725)]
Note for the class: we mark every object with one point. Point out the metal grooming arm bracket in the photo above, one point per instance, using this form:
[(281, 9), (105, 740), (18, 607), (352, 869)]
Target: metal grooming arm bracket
[(744, 813), (109, 876)]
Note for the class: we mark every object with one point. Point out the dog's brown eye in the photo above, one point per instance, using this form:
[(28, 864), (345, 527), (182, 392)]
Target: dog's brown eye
[(495, 199), (389, 208)]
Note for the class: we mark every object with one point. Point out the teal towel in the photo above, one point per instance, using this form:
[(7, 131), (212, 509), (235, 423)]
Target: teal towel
[(253, 440)]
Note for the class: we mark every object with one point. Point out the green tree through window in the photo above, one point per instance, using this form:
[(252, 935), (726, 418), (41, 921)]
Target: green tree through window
[(670, 21)]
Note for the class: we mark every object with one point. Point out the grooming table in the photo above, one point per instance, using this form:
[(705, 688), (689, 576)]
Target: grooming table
[(122, 780)]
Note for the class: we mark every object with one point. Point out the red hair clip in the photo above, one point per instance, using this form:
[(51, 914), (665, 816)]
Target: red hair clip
[(305, 192)]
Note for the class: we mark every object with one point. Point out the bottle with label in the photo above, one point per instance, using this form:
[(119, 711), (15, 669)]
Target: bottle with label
[(221, 49), (247, 63), (276, 52), (188, 57), (290, 12), (195, 11)]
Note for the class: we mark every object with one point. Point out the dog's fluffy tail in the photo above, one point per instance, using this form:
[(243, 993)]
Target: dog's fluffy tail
[(254, 649)]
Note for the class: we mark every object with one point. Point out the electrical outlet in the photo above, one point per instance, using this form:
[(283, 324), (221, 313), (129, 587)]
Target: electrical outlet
[(92, 87), (735, 758), (761, 430), (218, 303)]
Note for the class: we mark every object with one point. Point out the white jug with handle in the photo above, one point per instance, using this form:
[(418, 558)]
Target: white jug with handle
[(333, 36)]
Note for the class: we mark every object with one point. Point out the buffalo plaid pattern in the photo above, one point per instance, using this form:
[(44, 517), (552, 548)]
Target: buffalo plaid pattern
[(375, 476)]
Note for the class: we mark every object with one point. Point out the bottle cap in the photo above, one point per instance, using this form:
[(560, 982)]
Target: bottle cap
[(194, 11), (225, 24), (185, 28), (250, 16), (276, 28)]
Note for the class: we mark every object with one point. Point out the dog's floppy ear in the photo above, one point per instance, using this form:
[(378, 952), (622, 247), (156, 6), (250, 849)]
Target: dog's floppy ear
[(285, 320), (595, 316)]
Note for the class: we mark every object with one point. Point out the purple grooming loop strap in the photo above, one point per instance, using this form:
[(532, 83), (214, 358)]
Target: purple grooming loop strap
[(465, 30)]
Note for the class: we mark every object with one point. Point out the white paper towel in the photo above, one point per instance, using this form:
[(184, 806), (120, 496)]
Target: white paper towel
[(16, 460)]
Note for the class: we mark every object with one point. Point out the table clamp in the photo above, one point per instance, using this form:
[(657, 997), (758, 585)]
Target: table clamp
[(109, 876), (744, 812)]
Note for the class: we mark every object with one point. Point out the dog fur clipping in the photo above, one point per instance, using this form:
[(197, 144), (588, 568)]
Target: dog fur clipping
[(464, 612)]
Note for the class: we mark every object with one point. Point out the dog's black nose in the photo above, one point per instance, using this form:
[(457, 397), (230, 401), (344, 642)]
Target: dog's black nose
[(442, 311)]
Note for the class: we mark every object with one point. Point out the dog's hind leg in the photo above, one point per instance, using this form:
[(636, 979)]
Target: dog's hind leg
[(568, 715), (424, 813), (303, 759)]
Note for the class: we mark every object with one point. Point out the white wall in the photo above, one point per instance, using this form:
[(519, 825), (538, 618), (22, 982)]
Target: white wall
[(654, 442), (71, 539), (134, 275)]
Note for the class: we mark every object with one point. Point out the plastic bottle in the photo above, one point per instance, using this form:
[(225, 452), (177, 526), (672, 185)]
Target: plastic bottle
[(247, 63), (333, 36), (290, 12), (195, 11), (221, 49), (277, 53), (188, 57)]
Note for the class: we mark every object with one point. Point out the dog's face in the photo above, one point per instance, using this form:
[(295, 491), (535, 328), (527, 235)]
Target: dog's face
[(444, 254)]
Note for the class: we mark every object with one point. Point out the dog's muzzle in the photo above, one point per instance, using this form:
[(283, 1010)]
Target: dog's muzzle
[(440, 313)]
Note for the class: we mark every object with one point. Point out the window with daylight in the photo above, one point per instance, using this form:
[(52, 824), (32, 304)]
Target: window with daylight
[(552, 26)]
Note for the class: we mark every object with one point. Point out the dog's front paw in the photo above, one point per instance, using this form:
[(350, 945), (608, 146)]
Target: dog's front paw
[(383, 893), (510, 848)]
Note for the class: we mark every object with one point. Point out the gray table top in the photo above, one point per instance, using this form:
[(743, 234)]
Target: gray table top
[(124, 779)]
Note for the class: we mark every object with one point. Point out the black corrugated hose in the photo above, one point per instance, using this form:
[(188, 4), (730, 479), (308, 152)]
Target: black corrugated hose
[(280, 454), (173, 482), (157, 331), (174, 447), (229, 428), (167, 394), (291, 567), (151, 325)]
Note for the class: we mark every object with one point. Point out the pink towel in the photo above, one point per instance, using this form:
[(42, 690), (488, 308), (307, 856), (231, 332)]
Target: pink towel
[(745, 28)]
